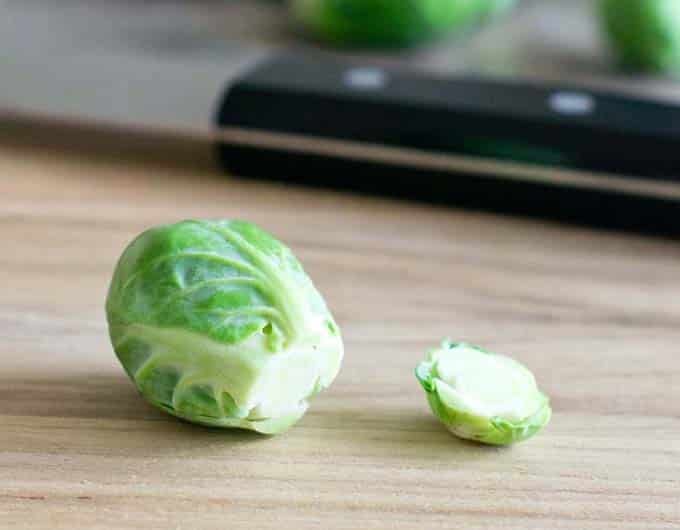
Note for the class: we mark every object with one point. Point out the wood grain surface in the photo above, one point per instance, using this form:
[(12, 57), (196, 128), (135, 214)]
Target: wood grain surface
[(595, 315)]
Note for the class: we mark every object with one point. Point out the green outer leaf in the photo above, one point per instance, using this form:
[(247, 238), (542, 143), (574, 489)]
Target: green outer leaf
[(645, 34), (224, 279), (390, 22), (466, 424), (216, 322)]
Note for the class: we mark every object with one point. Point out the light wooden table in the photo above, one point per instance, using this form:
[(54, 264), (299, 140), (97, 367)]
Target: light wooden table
[(595, 315)]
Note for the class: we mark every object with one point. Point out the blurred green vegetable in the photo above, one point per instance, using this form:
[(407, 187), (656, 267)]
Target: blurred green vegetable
[(482, 396), (216, 322), (389, 23), (645, 34)]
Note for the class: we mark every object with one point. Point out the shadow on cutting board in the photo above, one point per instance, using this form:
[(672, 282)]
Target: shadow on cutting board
[(105, 412), (113, 400), (399, 434)]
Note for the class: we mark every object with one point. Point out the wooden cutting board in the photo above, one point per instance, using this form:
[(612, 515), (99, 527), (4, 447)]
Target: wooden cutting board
[(595, 315)]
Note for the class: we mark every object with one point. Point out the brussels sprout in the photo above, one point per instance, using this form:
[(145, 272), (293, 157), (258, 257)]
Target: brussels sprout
[(482, 396), (645, 34), (216, 322), (389, 22)]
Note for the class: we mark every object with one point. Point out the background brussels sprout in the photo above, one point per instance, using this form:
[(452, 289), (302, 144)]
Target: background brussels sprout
[(482, 396), (645, 34), (216, 322), (389, 22)]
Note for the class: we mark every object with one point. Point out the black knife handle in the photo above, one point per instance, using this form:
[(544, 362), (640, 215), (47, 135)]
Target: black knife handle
[(565, 153)]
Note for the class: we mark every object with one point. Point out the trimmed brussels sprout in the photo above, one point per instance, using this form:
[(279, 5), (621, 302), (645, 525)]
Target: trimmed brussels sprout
[(217, 323), (645, 34), (482, 396), (389, 22)]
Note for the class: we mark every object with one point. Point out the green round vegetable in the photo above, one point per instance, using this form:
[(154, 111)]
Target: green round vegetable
[(645, 34), (389, 22), (482, 396), (216, 322)]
